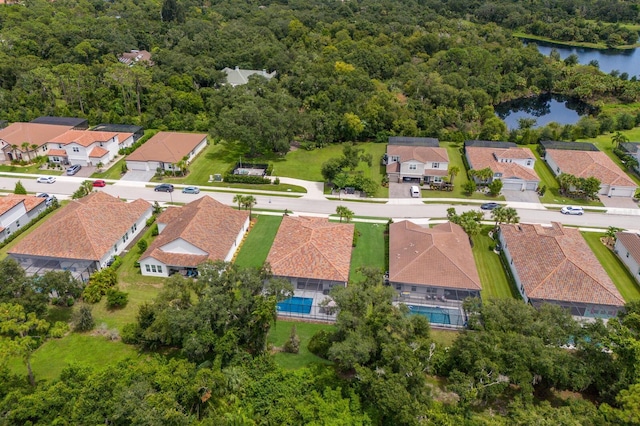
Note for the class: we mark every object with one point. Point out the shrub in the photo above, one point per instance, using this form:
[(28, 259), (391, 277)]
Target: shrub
[(276, 181), (98, 285), (20, 189), (142, 245), (117, 262), (356, 235), (469, 187), (154, 231), (257, 180), (116, 299), (131, 334), (151, 220), (83, 319), (59, 329), (320, 343), (70, 301), (292, 345)]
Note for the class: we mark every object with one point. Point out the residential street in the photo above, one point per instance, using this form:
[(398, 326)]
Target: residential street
[(312, 204)]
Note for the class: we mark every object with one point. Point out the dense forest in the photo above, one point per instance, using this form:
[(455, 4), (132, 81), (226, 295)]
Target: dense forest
[(346, 70)]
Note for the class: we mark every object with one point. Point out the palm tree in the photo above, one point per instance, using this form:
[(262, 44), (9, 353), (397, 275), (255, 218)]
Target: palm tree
[(340, 211), (453, 172), (511, 215), (566, 181), (611, 234), (238, 198), (14, 149), (499, 214), (248, 202), (25, 147), (618, 138)]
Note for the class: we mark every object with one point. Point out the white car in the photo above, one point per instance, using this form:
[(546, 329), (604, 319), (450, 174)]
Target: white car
[(572, 210), (46, 179)]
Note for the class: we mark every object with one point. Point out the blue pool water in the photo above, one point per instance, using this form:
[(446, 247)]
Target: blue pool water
[(435, 315), (298, 305)]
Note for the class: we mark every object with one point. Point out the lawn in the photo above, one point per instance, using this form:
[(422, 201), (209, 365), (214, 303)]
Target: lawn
[(444, 337), (255, 248), (495, 282), (370, 249), (55, 354), (113, 172), (279, 334), (30, 169), (620, 275)]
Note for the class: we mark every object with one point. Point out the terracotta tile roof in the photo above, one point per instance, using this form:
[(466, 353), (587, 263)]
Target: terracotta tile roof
[(555, 263), (167, 147), (206, 224), (436, 172), (34, 133), (122, 137), (7, 203), (85, 229), (310, 247), (480, 158), (393, 167), (98, 152), (631, 242), (585, 164), (83, 137), (57, 152), (440, 256), (423, 154), (30, 201)]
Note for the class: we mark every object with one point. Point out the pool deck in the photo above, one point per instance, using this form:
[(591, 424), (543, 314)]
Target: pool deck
[(316, 311)]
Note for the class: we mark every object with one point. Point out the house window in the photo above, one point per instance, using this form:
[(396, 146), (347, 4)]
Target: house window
[(558, 170), (55, 159), (115, 247), (153, 268), (159, 269), (435, 165), (413, 167), (627, 252), (18, 225), (44, 148), (414, 288), (398, 286), (134, 227), (148, 268), (437, 179), (100, 143), (76, 149), (395, 158), (528, 162), (60, 145)]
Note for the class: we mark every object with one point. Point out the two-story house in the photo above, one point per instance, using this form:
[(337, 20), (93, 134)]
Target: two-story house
[(85, 147), (26, 141), (18, 210), (509, 163), (419, 160)]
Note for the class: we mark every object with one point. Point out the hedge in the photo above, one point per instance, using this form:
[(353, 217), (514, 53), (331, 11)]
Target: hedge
[(19, 232), (258, 180)]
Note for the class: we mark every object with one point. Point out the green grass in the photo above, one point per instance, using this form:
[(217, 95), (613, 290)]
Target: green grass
[(279, 334), (444, 337), (114, 172), (54, 355), (129, 274), (30, 169), (255, 248), (369, 250), (495, 283), (620, 275), (589, 45)]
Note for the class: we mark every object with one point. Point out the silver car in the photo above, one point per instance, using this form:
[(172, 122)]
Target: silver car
[(572, 210)]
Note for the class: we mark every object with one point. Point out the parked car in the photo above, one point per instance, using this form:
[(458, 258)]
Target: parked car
[(46, 179), (415, 191), (191, 190), (164, 187), (48, 198), (99, 183), (73, 169), (572, 210), (489, 206)]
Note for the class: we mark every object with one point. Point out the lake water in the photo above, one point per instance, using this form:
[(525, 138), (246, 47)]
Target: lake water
[(544, 109), (627, 60)]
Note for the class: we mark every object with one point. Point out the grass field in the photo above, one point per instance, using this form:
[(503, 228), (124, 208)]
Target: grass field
[(620, 275), (370, 249), (444, 337), (495, 283), (30, 169), (256, 246), (114, 172), (280, 333)]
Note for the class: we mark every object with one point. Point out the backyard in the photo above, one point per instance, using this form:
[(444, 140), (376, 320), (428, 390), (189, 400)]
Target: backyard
[(279, 334), (370, 249), (255, 248), (495, 282)]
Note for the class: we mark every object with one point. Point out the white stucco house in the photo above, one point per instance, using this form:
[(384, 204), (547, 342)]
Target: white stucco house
[(36, 135), (165, 150), (18, 210), (418, 160), (82, 236), (202, 230), (86, 147), (627, 248)]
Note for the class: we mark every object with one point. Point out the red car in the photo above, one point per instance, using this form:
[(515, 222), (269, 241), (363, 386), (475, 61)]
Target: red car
[(99, 183)]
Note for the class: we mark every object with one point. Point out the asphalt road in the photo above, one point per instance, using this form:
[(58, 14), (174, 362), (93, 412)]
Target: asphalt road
[(65, 186)]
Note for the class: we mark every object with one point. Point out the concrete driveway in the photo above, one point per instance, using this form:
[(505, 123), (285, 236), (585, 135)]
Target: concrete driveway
[(86, 171), (618, 202), (521, 196), (399, 190), (138, 175)]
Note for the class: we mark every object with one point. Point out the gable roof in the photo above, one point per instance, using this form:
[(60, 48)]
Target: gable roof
[(310, 247), (167, 147), (411, 141), (34, 133), (84, 229), (30, 201), (480, 158), (7, 203), (440, 256), (83, 137), (555, 263), (204, 223), (98, 152), (423, 154), (630, 241), (585, 164)]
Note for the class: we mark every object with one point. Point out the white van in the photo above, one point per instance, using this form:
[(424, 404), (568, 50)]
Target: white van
[(415, 191)]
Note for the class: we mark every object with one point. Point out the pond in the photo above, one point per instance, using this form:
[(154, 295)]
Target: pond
[(627, 60), (544, 109)]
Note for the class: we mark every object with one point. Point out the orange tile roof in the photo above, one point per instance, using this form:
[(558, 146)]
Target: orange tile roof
[(631, 242), (481, 158), (423, 154), (83, 137), (122, 137), (310, 247), (586, 164), (440, 256), (555, 263), (204, 223), (30, 201), (167, 147), (98, 152), (57, 152), (85, 229), (34, 133), (7, 203)]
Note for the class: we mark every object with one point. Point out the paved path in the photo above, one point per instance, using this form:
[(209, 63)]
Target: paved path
[(315, 190)]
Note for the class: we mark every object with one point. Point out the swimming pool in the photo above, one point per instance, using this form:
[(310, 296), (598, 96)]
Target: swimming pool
[(297, 305), (435, 314)]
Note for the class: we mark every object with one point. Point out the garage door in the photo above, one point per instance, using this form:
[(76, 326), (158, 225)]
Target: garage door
[(532, 186), (137, 165), (508, 185), (622, 192)]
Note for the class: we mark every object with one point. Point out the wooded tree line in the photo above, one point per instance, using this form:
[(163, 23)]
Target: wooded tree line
[(350, 71)]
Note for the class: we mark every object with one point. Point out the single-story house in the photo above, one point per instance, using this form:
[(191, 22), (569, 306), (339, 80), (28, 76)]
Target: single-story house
[(553, 264), (584, 164), (633, 149), (135, 57), (17, 211), (74, 123), (508, 162), (420, 160), (36, 135), (237, 76), (627, 248), (431, 265), (165, 150), (136, 131), (202, 230), (82, 236), (312, 253), (86, 147)]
